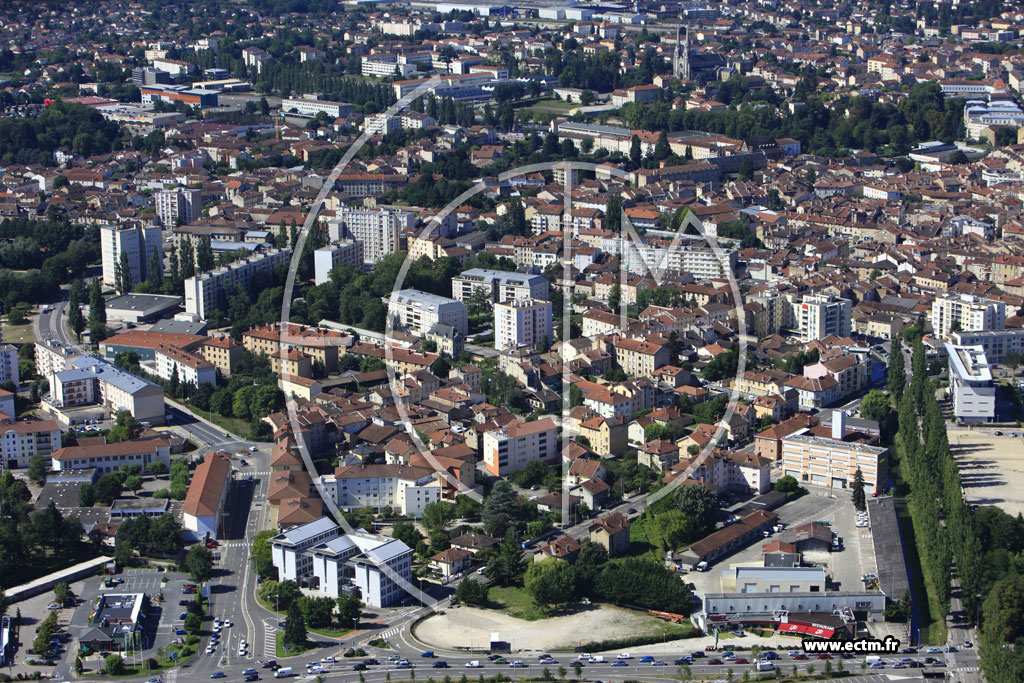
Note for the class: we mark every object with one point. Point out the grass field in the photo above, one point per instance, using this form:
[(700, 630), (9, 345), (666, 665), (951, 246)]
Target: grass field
[(280, 652), (517, 602), (553, 105), (19, 334)]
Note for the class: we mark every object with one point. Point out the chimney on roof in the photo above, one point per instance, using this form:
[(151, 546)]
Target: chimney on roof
[(838, 424)]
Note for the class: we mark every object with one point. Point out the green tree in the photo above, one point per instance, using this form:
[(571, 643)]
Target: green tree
[(76, 321), (37, 468), (472, 592), (700, 505), (193, 622), (500, 508), (114, 665), (897, 369), (200, 563), (635, 152), (614, 298), (62, 593), (787, 484), (261, 555), (349, 610), (859, 499), (97, 304), (107, 488), (437, 516), (550, 582), (295, 627), (507, 565), (133, 483)]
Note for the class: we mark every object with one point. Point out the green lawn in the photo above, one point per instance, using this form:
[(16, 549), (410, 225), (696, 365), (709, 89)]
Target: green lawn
[(281, 653), (551, 104), (330, 633), (517, 602), (19, 334), (232, 424)]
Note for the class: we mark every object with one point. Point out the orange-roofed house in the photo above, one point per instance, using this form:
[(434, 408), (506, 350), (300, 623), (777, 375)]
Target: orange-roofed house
[(510, 448), (204, 503)]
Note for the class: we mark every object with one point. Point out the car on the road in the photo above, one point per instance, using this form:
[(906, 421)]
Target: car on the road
[(327, 660), (951, 648), (715, 662), (252, 449), (179, 631), (403, 664), (473, 665), (586, 656), (623, 655), (249, 678), (370, 662), (241, 650), (934, 650), (53, 605), (396, 657), (908, 651), (619, 662), (500, 660), (226, 623), (658, 662), (647, 658), (248, 671), (878, 665), (799, 656), (440, 664), (216, 629), (548, 660), (698, 655), (427, 653), (824, 655), (899, 665), (210, 649), (269, 664), (968, 643), (518, 664), (218, 674), (183, 614), (740, 660), (359, 666)]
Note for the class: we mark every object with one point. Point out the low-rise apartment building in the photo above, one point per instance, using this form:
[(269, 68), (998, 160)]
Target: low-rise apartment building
[(404, 488), (417, 312), (508, 449)]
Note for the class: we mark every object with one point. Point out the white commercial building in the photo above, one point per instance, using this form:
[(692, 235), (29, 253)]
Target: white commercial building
[(178, 206), (692, 256), (208, 292), (971, 388), (417, 312), (305, 107), (405, 488), (500, 285), (522, 322), (320, 556), (955, 312), (325, 259), (288, 548), (363, 564), (379, 230), (138, 243), (510, 448), (996, 343), (387, 65), (818, 316), (109, 457)]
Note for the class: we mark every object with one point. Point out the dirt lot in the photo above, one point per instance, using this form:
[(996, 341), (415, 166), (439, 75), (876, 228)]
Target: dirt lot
[(471, 627), (991, 467)]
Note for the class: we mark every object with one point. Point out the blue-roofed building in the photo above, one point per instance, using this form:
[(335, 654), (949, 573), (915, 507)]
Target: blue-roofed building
[(319, 556), (371, 565), (288, 548)]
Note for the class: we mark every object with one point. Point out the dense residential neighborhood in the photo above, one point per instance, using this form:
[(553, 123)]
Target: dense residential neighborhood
[(399, 335)]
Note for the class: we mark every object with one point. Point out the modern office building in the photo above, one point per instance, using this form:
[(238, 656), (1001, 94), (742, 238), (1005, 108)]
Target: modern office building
[(818, 316), (971, 387), (404, 488), (499, 285), (417, 312), (522, 323), (325, 259), (207, 292), (510, 448), (379, 230), (365, 565), (138, 244), (320, 556), (178, 206), (968, 313)]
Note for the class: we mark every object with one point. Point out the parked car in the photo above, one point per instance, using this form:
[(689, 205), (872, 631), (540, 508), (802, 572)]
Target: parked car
[(218, 674)]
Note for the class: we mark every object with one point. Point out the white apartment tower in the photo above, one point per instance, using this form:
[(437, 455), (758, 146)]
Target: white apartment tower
[(522, 322), (818, 316), (967, 313), (138, 243), (380, 230), (178, 206)]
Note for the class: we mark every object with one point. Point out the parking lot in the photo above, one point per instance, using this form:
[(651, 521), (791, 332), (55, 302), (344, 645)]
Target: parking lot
[(844, 567), (991, 466)]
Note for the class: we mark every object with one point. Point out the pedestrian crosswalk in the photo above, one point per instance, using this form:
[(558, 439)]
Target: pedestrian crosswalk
[(234, 544), (269, 640), (390, 633)]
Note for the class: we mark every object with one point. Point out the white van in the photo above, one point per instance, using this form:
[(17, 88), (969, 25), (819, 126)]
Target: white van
[(702, 566), (475, 664), (597, 659), (765, 665), (283, 672), (872, 659)]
